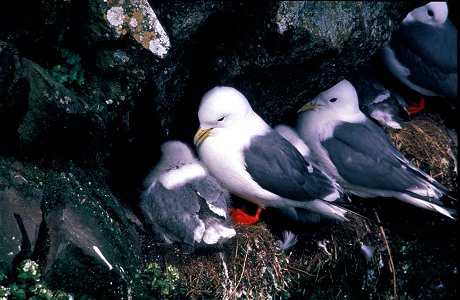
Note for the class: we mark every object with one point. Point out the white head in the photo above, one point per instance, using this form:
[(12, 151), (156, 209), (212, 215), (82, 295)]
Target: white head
[(174, 152), (222, 107), (432, 13), (341, 100)]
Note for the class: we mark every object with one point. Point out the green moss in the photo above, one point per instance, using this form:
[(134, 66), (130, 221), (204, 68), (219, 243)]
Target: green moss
[(163, 285), (26, 283), (70, 71)]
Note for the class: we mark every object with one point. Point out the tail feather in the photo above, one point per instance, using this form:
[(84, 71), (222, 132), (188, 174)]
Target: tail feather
[(346, 207), (429, 204), (326, 208)]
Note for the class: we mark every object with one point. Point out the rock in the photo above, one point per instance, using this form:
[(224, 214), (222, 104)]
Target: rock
[(277, 54), (8, 56), (49, 106), (146, 64), (12, 106), (20, 215), (69, 221), (85, 259), (37, 110)]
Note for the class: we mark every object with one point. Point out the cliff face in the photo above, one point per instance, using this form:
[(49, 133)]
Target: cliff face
[(89, 90)]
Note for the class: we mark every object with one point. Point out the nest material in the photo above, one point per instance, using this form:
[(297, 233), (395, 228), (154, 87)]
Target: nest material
[(251, 266), (430, 147)]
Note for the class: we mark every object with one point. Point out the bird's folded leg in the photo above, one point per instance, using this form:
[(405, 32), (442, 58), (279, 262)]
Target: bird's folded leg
[(416, 107), (239, 216)]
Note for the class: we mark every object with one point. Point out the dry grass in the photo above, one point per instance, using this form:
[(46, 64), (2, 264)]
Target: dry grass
[(251, 266), (427, 143)]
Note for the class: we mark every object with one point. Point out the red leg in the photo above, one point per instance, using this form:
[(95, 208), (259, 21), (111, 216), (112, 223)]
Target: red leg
[(239, 216), (416, 107)]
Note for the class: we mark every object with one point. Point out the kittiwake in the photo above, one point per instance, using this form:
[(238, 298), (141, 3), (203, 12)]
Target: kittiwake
[(254, 162), (359, 155)]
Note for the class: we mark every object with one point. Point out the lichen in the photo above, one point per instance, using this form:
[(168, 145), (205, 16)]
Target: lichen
[(138, 19), (115, 16)]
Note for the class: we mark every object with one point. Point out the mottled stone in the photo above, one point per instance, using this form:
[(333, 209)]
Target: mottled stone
[(20, 214), (68, 220), (137, 18)]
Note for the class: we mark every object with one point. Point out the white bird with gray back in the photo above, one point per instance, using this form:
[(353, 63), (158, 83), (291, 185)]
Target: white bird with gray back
[(254, 162), (358, 154), (423, 54)]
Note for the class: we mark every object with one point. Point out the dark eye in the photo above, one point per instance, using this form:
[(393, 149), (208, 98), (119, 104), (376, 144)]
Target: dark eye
[(332, 99), (430, 13), (221, 119)]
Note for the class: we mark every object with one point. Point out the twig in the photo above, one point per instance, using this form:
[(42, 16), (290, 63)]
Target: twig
[(390, 259), (301, 271), (244, 266), (235, 258)]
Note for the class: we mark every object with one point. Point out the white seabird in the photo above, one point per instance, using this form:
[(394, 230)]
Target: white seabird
[(359, 155), (254, 162), (422, 52), (183, 202)]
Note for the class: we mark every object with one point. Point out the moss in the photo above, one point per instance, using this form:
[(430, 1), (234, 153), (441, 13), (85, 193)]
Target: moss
[(26, 282), (5, 173)]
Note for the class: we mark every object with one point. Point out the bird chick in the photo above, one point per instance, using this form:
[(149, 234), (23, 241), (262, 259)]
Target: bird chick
[(183, 203)]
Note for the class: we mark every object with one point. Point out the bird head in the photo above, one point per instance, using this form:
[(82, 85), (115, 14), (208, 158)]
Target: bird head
[(341, 99), (176, 151), (432, 13), (221, 107)]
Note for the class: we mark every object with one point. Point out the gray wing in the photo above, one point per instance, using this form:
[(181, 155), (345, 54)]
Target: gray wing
[(214, 195), (173, 213), (431, 55), (364, 155), (279, 168)]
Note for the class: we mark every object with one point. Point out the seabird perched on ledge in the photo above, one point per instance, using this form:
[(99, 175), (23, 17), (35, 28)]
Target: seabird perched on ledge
[(422, 52), (359, 155), (256, 163)]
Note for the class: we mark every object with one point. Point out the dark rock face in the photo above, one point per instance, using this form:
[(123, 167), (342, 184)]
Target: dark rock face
[(144, 68), (277, 53), (72, 225), (20, 216), (82, 252), (89, 90)]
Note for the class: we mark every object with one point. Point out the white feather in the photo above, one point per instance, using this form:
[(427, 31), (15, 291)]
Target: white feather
[(288, 241)]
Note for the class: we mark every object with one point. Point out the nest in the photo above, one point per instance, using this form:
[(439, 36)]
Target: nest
[(251, 266), (330, 259), (430, 146)]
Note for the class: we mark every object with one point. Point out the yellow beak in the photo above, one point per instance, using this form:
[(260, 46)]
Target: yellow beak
[(308, 106), (201, 135)]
